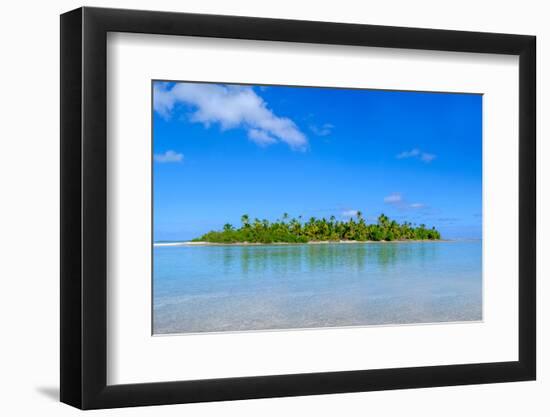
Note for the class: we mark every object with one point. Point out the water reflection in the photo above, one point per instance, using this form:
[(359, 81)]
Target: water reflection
[(256, 260)]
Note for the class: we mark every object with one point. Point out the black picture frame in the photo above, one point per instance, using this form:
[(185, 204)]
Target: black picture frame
[(84, 208)]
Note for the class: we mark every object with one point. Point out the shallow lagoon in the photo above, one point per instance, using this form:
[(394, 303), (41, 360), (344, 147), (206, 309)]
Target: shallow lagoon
[(239, 288)]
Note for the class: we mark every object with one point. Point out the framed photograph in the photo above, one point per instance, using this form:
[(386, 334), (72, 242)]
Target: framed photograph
[(258, 208)]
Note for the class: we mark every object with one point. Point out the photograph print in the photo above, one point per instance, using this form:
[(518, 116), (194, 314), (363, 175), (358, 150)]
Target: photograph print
[(289, 207)]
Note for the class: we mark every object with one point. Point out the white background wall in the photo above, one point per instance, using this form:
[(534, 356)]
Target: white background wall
[(29, 175)]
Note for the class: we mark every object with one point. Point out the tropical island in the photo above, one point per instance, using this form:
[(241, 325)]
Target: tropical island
[(295, 230)]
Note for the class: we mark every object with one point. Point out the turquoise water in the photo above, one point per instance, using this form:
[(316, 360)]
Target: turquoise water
[(237, 288)]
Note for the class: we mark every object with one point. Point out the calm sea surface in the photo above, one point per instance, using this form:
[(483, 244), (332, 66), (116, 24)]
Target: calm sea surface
[(236, 288)]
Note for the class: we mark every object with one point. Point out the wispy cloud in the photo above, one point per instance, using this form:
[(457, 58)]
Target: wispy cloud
[(349, 213), (261, 137), (323, 130), (230, 106), (427, 157), (397, 200), (418, 154), (393, 198), (168, 156), (408, 154)]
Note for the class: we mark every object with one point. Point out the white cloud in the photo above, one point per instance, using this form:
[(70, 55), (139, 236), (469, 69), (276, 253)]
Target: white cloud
[(394, 198), (261, 137), (168, 156), (427, 157), (398, 201), (408, 154), (416, 153), (323, 130), (231, 106), (349, 213)]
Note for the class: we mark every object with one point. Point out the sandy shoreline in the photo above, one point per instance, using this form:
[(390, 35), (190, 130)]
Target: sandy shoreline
[(323, 242)]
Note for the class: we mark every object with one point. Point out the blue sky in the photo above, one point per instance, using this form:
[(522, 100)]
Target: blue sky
[(224, 150)]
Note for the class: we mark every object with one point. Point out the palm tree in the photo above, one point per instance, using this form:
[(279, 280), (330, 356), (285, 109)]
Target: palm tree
[(355, 228), (383, 220)]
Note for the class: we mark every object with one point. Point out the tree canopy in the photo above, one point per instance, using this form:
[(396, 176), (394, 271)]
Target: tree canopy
[(295, 230)]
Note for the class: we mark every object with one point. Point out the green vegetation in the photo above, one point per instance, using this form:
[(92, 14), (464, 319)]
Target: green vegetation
[(295, 231)]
